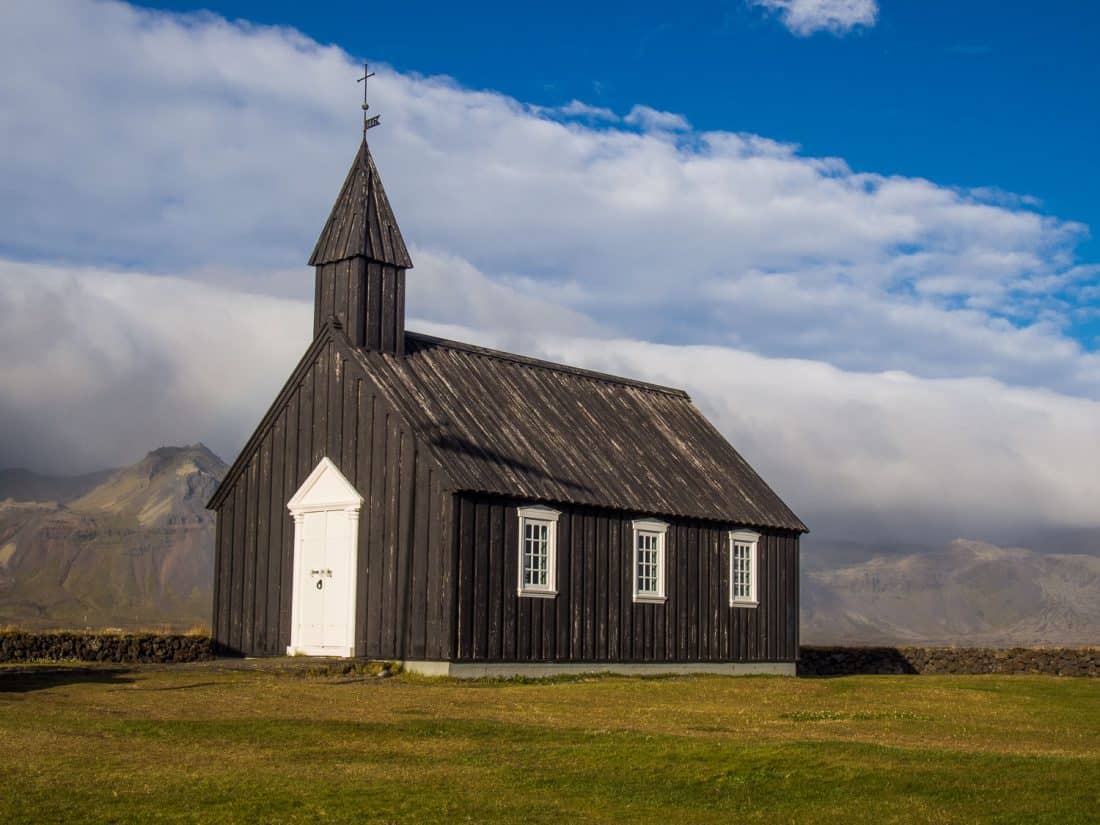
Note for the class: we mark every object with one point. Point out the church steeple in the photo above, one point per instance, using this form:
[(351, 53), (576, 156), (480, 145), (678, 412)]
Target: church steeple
[(360, 260)]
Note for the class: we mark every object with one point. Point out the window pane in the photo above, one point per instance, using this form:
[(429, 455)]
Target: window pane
[(741, 572), (536, 554), (647, 574)]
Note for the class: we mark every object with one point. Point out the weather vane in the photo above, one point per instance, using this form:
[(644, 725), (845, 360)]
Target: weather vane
[(368, 122)]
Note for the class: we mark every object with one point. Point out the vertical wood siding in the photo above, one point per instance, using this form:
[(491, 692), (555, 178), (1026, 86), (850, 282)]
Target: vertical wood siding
[(593, 618), (369, 300), (405, 548)]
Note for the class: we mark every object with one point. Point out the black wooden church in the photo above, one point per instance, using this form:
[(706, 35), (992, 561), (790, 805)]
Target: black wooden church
[(474, 512)]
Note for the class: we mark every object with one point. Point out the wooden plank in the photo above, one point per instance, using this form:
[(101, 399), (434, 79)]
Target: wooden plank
[(549, 629), (495, 585), (729, 643), (290, 486), (418, 593), (692, 592), (373, 329), (392, 533), (626, 606), (263, 545), (325, 274), (364, 450), (796, 588), (449, 544), (240, 505), (319, 435), (703, 578), (589, 574), (248, 615), (389, 312), (334, 447), (465, 580), (509, 525), (279, 519), (376, 533), (399, 313), (436, 641), (534, 644), (601, 582), (563, 603), (225, 564), (678, 639), (318, 307), (480, 581), (614, 587), (576, 587), (305, 426), (340, 292), (406, 505)]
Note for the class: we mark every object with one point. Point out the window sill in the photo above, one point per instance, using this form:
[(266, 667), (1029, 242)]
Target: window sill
[(640, 598), (538, 594), (744, 604)]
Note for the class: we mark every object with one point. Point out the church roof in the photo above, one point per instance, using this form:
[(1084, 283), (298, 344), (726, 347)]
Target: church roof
[(361, 221), (515, 426)]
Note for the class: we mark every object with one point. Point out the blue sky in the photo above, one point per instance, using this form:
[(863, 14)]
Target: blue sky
[(860, 233)]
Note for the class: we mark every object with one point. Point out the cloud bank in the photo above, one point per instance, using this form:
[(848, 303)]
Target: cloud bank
[(804, 17), (871, 341)]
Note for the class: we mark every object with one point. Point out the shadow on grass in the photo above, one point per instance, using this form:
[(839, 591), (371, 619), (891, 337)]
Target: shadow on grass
[(27, 680)]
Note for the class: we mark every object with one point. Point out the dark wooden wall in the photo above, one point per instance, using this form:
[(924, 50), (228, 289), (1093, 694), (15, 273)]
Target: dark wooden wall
[(330, 408), (594, 618), (369, 300)]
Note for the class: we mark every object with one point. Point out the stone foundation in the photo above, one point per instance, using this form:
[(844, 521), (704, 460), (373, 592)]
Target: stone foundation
[(846, 661), (541, 670), (104, 647)]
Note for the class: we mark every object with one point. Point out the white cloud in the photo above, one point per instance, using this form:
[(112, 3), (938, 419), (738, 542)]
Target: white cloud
[(206, 154), (654, 120), (101, 365), (804, 17), (188, 144), (577, 108)]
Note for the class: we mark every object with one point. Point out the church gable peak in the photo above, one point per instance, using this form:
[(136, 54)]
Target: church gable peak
[(362, 223)]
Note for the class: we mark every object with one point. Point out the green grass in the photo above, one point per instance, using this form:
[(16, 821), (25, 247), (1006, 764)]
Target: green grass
[(198, 744)]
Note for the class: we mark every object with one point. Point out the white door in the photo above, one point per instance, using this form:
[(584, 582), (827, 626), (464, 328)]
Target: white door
[(326, 519), (324, 580)]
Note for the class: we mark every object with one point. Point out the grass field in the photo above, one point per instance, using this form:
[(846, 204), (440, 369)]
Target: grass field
[(203, 744)]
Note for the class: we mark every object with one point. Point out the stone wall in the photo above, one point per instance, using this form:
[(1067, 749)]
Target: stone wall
[(17, 646), (844, 661)]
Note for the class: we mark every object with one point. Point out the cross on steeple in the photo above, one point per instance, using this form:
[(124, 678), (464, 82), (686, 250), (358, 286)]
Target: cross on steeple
[(368, 122)]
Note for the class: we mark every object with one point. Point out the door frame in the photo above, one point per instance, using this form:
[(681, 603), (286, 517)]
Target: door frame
[(325, 490)]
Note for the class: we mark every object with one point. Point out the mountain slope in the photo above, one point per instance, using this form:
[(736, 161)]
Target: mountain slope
[(134, 550), (968, 593)]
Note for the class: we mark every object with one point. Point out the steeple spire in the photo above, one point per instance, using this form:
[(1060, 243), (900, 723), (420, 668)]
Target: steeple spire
[(361, 258), (361, 222)]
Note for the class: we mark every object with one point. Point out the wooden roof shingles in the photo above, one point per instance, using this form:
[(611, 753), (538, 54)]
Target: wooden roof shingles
[(514, 426), (362, 221)]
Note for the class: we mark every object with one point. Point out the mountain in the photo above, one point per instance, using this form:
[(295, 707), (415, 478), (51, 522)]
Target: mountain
[(133, 548), (967, 593)]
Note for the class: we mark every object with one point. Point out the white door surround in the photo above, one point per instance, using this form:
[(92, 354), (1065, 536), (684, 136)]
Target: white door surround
[(326, 552)]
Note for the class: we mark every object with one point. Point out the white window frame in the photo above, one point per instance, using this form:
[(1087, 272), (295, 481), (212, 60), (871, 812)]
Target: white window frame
[(752, 539), (659, 529), (539, 514)]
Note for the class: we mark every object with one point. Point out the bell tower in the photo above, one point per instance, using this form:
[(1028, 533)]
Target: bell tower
[(360, 261), (360, 258)]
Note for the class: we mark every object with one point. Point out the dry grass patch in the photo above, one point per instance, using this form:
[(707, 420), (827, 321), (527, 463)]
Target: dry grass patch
[(200, 744)]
